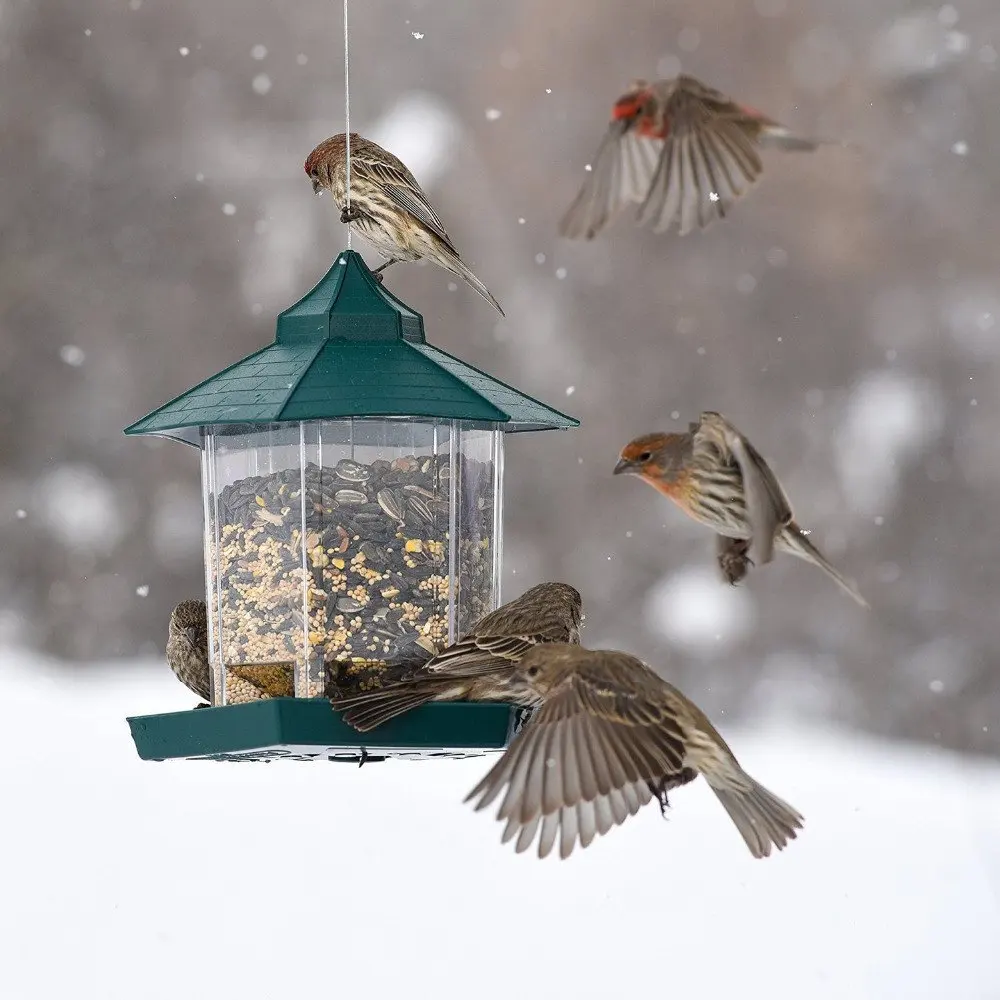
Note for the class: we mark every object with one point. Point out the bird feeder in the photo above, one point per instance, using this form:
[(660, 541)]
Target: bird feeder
[(352, 482)]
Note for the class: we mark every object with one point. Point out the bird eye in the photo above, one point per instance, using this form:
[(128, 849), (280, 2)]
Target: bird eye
[(645, 456), (532, 671)]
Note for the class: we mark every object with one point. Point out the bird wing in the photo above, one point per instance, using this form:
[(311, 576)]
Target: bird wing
[(620, 175), (708, 160), (589, 758), (402, 188), (766, 503), (482, 654)]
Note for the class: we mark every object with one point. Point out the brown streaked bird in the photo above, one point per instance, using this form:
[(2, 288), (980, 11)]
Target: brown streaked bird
[(719, 479), (388, 206), (475, 668), (187, 647), (608, 731), (187, 655), (680, 150)]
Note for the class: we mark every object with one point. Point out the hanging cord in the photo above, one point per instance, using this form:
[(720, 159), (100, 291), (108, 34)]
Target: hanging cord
[(347, 115)]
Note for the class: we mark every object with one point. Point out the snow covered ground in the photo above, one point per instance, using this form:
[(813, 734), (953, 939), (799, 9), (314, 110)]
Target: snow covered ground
[(124, 879)]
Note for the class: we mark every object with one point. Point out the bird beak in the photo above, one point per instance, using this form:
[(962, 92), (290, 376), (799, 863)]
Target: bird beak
[(192, 635), (317, 187), (624, 465)]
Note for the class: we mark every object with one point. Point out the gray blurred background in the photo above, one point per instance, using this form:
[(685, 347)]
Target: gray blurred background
[(155, 218)]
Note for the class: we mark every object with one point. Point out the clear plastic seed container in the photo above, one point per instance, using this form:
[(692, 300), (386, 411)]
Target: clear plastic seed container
[(337, 548)]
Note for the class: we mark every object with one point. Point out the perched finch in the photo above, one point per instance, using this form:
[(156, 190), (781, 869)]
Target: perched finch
[(718, 478), (187, 647), (681, 151), (387, 205), (608, 732), (187, 654), (476, 667)]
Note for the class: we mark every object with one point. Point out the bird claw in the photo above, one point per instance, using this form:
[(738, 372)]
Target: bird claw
[(660, 791), (349, 214), (377, 276), (733, 558)]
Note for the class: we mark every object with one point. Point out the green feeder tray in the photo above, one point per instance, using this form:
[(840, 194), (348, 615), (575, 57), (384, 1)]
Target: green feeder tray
[(308, 729), (352, 482)]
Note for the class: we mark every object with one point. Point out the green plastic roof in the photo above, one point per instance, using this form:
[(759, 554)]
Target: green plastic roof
[(349, 348)]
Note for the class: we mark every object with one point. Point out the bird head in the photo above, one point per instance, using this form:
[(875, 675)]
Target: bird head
[(543, 667), (190, 620), (631, 104), (654, 456)]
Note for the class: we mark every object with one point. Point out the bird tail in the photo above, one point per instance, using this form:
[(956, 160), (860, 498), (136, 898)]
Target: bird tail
[(794, 541), (779, 137), (764, 820), (457, 266), (370, 709)]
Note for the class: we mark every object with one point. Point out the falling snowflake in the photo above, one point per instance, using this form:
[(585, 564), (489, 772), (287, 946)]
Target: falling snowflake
[(72, 355), (142, 590), (570, 389), (960, 148), (258, 52), (229, 208), (184, 50), (261, 83), (417, 35), (492, 114)]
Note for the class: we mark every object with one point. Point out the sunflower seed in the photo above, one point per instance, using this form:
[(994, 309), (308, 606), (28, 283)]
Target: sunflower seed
[(351, 497), (352, 472), (391, 503)]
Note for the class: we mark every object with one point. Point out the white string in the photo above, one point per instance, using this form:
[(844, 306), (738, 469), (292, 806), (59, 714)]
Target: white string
[(347, 115)]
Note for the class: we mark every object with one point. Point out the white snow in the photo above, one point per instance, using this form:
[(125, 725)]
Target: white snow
[(126, 879), (81, 507), (691, 610), (891, 417)]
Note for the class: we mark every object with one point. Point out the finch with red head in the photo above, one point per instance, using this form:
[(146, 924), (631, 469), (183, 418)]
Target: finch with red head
[(388, 206), (719, 479), (680, 150), (476, 667), (608, 732)]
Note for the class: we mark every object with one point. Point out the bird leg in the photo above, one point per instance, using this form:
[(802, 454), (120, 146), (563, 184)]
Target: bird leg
[(378, 270), (350, 213), (659, 790), (733, 557)]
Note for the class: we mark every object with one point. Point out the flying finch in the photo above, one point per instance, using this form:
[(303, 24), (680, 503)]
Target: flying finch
[(718, 478), (608, 731), (475, 667), (681, 151), (387, 205), (187, 647)]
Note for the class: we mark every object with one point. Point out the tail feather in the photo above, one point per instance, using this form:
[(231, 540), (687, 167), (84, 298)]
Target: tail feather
[(367, 711), (764, 820), (792, 540), (457, 266), (779, 137)]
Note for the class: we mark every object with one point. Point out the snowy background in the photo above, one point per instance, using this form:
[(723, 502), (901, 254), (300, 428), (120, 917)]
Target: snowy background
[(155, 218), (125, 879)]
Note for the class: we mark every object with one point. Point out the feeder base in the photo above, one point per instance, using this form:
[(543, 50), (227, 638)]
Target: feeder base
[(309, 729)]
